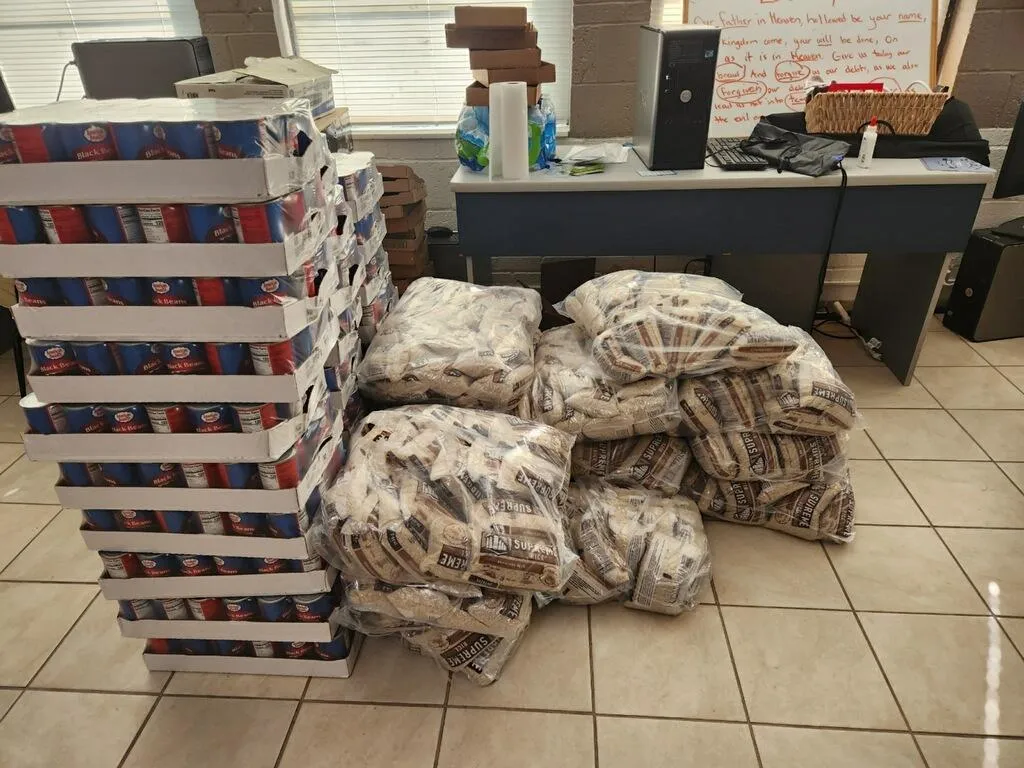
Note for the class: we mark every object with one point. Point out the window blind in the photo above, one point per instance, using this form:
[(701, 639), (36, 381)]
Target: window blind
[(393, 66), (36, 38)]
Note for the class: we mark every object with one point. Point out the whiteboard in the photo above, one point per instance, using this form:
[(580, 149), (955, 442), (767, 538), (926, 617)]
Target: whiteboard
[(771, 48)]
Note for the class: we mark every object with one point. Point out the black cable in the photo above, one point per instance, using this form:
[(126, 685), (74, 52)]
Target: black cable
[(63, 74)]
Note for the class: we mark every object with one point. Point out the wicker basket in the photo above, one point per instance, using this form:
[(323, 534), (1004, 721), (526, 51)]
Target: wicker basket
[(909, 114)]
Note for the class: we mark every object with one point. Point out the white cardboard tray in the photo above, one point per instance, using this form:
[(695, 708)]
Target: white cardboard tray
[(111, 323), (157, 181), (240, 665), (155, 259), (212, 499), (370, 246), (197, 544), (167, 388), (230, 447), (278, 631), (143, 588)]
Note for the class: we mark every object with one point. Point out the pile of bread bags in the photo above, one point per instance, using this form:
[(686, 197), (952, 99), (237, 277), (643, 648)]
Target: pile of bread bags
[(507, 468)]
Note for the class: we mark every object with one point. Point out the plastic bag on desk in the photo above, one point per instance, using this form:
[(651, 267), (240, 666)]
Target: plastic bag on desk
[(803, 394), (472, 136), (819, 510), (435, 492), (751, 455), (478, 656), (437, 605), (649, 549), (453, 342), (655, 462), (669, 324), (572, 393)]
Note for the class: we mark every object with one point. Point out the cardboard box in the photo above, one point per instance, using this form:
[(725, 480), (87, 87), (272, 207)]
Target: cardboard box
[(396, 171), (514, 59), (158, 181), (212, 499), (545, 73), (414, 195), (286, 388), (111, 323), (197, 544), (404, 241), (401, 260), (490, 16), (271, 78), (490, 38), (477, 95), (190, 629), (403, 218), (154, 259), (242, 665), (218, 586)]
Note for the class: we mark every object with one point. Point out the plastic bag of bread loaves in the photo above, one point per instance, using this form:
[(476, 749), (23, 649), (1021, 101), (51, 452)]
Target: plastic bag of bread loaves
[(749, 455), (820, 510), (478, 656), (453, 342), (670, 324), (437, 492), (802, 395), (371, 605), (655, 462), (634, 544), (572, 393)]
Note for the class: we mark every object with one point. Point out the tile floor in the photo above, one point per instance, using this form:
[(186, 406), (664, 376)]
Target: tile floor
[(871, 655)]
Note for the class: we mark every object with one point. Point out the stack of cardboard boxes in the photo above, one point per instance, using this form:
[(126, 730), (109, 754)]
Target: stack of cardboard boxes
[(404, 207), (502, 49)]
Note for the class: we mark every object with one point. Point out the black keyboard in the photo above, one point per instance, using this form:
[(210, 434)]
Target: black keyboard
[(729, 157)]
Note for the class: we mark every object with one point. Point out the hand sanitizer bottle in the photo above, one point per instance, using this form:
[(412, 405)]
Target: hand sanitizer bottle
[(867, 144)]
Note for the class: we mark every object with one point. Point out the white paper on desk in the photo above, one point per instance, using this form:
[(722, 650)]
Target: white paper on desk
[(607, 152)]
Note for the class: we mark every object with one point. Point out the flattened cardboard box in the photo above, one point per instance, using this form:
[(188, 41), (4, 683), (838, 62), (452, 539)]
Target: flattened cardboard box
[(404, 218), (401, 261), (404, 241), (243, 665), (477, 95), (545, 73), (395, 171), (522, 57), (490, 38), (414, 195), (490, 16), (190, 629), (197, 544), (253, 585)]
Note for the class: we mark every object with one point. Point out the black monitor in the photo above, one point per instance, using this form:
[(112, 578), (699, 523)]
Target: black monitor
[(1011, 176)]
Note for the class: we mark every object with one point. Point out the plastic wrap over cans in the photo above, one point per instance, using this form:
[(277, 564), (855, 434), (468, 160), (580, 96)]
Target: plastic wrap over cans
[(820, 510), (749, 455), (453, 342), (436, 492), (671, 324), (472, 136), (647, 549), (378, 607), (160, 129), (802, 395), (655, 462), (478, 656), (572, 393)]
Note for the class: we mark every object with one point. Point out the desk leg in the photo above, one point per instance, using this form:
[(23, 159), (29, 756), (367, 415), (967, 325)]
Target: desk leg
[(478, 270), (895, 300)]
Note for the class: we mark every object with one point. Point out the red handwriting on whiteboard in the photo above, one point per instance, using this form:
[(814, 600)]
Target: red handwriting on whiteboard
[(795, 100), (742, 93), (791, 72), (730, 72)]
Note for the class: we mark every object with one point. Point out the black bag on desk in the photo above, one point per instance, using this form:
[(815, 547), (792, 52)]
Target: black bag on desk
[(797, 152), (954, 134)]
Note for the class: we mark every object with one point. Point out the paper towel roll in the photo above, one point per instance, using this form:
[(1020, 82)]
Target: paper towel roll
[(515, 144), (495, 118)]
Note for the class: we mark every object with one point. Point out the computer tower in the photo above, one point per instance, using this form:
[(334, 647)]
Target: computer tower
[(674, 85), (140, 69), (987, 301)]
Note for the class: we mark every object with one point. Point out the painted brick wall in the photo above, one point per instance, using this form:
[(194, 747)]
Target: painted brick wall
[(238, 28)]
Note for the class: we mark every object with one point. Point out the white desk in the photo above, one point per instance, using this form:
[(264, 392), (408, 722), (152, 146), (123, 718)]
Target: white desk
[(905, 217)]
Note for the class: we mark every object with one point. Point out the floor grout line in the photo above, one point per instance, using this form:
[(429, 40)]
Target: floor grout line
[(291, 725), (145, 721), (593, 684), (64, 637), (736, 673), (874, 655), (444, 717), (29, 543)]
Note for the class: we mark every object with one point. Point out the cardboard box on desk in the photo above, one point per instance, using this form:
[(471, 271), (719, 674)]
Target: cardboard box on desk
[(513, 59), (477, 95), (404, 218), (490, 38), (544, 73), (490, 16), (271, 78)]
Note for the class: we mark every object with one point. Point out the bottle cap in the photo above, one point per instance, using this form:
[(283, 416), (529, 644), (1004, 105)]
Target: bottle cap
[(874, 121)]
